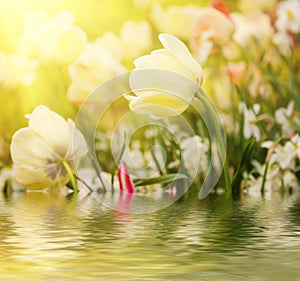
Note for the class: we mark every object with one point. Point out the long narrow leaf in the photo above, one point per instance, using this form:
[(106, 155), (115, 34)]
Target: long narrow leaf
[(246, 158), (161, 179)]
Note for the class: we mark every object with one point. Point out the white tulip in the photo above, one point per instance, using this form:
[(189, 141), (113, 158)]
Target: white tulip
[(166, 81), (44, 151)]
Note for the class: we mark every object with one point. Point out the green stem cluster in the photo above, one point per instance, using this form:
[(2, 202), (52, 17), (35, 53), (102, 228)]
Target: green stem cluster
[(201, 95), (71, 175)]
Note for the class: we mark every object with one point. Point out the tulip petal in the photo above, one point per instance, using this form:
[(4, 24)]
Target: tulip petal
[(33, 178), (28, 148), (49, 125), (179, 50), (162, 81), (36, 179), (163, 61), (79, 147), (158, 103), (124, 178)]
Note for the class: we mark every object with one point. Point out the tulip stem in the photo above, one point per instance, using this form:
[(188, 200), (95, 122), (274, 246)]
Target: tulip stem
[(94, 163), (227, 179), (71, 175), (201, 96), (84, 182)]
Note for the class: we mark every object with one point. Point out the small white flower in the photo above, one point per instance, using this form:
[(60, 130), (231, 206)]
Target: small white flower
[(253, 187), (290, 180), (296, 142), (288, 16), (250, 120), (281, 115), (272, 180), (285, 155), (267, 144), (38, 151)]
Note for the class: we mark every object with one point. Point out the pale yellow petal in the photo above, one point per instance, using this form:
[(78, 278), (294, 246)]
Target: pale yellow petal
[(164, 81), (78, 147), (179, 50), (163, 61), (39, 178), (53, 128), (28, 148), (158, 103), (33, 178)]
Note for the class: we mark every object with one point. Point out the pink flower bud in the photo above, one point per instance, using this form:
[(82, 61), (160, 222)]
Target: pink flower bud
[(124, 178)]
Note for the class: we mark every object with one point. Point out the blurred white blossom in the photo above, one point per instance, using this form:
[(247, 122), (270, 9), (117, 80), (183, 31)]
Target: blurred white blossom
[(253, 186), (287, 22), (282, 155), (279, 175), (288, 16), (135, 39), (98, 62), (284, 42), (272, 181), (52, 39), (253, 26), (286, 154), (211, 28), (282, 114), (290, 180), (175, 20), (15, 70)]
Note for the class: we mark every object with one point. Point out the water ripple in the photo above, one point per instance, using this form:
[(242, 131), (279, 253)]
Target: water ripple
[(45, 237)]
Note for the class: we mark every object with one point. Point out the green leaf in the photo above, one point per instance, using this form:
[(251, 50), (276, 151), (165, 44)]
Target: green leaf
[(246, 158), (161, 179)]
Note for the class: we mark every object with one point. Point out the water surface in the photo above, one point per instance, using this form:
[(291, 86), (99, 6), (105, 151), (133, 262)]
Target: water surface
[(51, 237)]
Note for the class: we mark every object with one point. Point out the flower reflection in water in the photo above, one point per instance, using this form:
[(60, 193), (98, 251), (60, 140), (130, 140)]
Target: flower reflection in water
[(45, 229)]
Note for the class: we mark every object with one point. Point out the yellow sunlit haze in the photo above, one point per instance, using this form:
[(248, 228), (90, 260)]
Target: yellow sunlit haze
[(35, 61)]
